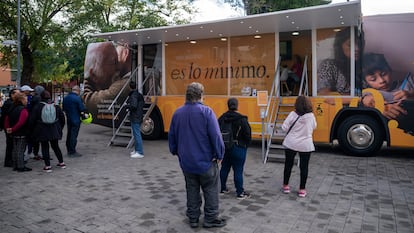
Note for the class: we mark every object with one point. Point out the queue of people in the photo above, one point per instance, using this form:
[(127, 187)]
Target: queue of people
[(195, 137), (30, 118)]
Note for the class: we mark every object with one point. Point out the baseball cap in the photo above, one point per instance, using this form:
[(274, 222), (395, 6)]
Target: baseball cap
[(26, 88)]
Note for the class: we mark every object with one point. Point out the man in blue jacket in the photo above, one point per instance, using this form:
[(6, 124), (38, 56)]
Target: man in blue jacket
[(195, 137), (73, 107)]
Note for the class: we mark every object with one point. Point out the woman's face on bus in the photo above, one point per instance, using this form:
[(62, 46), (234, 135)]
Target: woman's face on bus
[(346, 48), (380, 80)]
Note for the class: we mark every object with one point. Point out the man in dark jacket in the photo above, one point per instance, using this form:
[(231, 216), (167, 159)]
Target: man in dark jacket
[(136, 113), (73, 107), (32, 144), (235, 157)]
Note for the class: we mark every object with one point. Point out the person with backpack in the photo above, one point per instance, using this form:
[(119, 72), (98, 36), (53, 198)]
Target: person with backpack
[(46, 122), (237, 136)]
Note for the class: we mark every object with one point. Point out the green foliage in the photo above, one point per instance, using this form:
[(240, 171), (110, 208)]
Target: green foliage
[(55, 32), (262, 6)]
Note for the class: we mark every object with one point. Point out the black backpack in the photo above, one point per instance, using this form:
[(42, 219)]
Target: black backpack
[(226, 128)]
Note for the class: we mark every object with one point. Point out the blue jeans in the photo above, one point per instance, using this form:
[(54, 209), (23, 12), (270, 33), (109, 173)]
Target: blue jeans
[(209, 184), (233, 158), (72, 137), (136, 131)]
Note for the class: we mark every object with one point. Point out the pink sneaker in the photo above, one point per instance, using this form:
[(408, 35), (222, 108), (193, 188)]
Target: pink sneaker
[(286, 189), (302, 193)]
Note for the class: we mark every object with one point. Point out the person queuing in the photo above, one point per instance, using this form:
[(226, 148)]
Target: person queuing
[(34, 145), (195, 137), (299, 125), (73, 107), (47, 128), (5, 109), (136, 112), (16, 126), (235, 157)]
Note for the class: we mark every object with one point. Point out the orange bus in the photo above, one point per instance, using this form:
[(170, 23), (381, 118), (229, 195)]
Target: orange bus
[(240, 57)]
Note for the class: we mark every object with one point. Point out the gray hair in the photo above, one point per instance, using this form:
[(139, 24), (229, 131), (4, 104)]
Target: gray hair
[(194, 92)]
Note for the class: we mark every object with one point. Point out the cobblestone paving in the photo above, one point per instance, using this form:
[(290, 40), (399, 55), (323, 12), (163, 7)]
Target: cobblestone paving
[(106, 191)]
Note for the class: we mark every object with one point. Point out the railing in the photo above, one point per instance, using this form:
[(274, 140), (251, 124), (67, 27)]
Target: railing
[(115, 101), (269, 117)]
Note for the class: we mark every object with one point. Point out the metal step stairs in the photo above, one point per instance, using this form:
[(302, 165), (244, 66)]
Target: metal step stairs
[(278, 109), (122, 134)]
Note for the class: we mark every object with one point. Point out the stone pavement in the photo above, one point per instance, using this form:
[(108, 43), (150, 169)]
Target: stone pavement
[(107, 191)]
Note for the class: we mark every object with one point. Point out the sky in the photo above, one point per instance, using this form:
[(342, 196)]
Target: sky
[(217, 9)]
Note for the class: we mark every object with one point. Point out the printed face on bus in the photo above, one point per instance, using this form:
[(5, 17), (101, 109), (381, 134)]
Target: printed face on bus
[(346, 48), (104, 69), (379, 80)]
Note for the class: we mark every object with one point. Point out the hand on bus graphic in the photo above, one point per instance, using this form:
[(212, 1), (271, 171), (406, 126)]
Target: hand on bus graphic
[(394, 110)]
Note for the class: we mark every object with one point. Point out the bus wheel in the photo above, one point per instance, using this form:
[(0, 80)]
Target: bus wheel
[(360, 136), (151, 128)]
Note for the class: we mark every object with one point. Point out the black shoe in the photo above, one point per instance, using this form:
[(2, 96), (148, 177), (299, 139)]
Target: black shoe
[(24, 169), (8, 165), (224, 191), (215, 223), (73, 155), (193, 223), (243, 196)]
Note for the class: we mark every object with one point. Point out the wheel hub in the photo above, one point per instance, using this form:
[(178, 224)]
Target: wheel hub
[(360, 136), (147, 126)]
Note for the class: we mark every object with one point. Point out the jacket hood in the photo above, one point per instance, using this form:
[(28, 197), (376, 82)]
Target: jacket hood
[(39, 89), (232, 116)]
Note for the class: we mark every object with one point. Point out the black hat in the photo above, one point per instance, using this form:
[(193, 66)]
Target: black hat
[(233, 104)]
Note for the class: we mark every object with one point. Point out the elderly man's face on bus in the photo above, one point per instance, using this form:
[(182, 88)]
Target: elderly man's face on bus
[(102, 65)]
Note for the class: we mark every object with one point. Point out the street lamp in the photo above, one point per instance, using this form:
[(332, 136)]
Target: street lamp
[(18, 45)]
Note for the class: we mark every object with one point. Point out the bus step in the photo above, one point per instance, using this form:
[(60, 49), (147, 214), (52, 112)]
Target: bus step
[(124, 134)]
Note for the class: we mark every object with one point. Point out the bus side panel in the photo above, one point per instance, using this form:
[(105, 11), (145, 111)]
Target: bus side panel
[(325, 110), (247, 106)]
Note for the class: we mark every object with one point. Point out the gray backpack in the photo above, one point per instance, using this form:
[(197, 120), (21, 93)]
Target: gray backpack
[(48, 115)]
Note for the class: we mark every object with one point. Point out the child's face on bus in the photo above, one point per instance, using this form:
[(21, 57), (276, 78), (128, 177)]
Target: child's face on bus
[(380, 80)]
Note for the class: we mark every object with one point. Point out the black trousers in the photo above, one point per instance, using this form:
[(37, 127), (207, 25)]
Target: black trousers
[(303, 165), (45, 151), (8, 162)]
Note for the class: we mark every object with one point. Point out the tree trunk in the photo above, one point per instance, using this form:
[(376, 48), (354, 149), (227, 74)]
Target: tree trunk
[(28, 66)]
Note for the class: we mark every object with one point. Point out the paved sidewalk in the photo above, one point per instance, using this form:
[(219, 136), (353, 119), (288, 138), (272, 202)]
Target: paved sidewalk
[(107, 191)]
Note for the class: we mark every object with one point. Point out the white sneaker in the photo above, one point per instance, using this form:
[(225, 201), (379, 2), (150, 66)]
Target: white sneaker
[(132, 152), (137, 155)]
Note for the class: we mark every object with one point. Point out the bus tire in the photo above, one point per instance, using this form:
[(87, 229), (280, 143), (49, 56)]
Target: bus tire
[(360, 135), (152, 128)]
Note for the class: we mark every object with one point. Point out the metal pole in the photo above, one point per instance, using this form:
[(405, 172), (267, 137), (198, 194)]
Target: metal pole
[(18, 45)]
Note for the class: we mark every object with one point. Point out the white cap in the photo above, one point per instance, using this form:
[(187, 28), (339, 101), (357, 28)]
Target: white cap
[(26, 88)]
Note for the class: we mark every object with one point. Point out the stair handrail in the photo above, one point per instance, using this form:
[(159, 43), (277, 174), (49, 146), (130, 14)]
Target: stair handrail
[(304, 79), (133, 74), (269, 117)]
